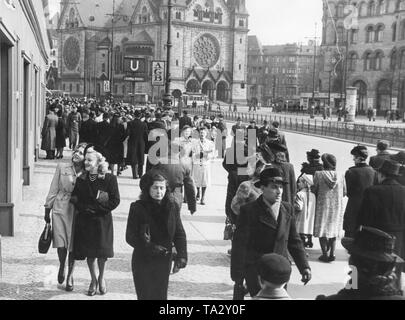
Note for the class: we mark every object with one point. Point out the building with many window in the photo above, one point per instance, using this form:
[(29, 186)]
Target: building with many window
[(24, 49), (280, 73), (363, 46), (209, 53)]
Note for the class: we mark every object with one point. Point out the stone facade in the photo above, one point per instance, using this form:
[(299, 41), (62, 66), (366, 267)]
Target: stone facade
[(24, 54), (280, 73), (361, 45), (209, 53)]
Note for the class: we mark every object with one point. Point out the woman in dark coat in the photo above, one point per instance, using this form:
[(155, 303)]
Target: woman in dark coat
[(115, 145), (154, 225), (60, 136), (95, 195), (48, 134)]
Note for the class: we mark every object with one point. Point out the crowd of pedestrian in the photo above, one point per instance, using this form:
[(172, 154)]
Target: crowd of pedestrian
[(274, 216)]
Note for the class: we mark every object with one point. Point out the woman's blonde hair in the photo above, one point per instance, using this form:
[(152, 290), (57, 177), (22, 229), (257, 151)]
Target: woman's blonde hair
[(103, 165)]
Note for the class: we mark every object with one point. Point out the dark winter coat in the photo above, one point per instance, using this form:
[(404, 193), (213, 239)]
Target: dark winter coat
[(377, 161), (257, 233), (150, 271), (94, 233), (185, 121), (138, 138), (358, 179), (60, 134), (383, 208), (49, 132), (179, 176), (115, 146), (103, 134), (88, 132)]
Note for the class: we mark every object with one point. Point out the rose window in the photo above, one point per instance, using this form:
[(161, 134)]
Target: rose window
[(71, 53), (207, 51)]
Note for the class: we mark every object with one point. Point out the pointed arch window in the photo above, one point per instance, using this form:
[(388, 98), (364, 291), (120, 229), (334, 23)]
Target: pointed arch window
[(352, 61), (379, 34), (370, 34), (393, 61), (394, 32), (371, 9), (368, 61), (379, 60)]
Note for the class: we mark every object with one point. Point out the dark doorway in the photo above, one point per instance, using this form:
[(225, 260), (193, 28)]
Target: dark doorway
[(26, 122), (361, 97), (208, 89), (222, 92)]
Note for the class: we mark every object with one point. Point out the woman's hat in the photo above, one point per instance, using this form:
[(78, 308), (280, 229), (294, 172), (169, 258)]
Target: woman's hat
[(308, 179), (314, 154), (329, 161), (390, 168), (270, 175), (373, 244), (360, 151)]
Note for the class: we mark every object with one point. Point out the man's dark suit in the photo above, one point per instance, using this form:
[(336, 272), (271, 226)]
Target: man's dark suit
[(383, 208), (88, 132), (257, 233), (377, 161), (138, 138)]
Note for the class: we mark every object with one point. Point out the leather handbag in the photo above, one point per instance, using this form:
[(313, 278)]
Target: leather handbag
[(45, 240), (229, 230)]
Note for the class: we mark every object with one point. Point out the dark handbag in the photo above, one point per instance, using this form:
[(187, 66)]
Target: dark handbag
[(45, 239), (228, 232)]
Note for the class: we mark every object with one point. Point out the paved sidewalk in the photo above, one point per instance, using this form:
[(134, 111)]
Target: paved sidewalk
[(30, 276)]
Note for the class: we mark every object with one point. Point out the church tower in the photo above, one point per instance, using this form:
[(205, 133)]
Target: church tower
[(240, 23)]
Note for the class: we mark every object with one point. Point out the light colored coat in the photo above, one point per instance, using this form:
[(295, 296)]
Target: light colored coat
[(202, 166), (329, 189), (305, 203), (58, 200)]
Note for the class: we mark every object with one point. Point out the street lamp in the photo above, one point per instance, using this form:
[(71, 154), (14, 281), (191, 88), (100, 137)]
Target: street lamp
[(167, 98)]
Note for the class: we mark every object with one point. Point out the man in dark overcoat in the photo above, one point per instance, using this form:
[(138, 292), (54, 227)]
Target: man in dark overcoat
[(138, 139), (185, 120), (179, 176), (358, 179), (383, 207), (265, 226), (382, 154), (104, 131), (88, 130)]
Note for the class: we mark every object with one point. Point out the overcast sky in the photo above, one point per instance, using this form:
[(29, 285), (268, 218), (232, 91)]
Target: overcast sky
[(276, 21)]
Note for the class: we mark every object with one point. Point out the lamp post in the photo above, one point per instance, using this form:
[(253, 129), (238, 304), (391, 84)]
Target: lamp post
[(167, 98)]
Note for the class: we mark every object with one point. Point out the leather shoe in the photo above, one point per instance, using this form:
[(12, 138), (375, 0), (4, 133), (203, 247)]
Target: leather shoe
[(323, 258), (69, 286), (332, 258), (92, 289), (61, 275), (103, 290)]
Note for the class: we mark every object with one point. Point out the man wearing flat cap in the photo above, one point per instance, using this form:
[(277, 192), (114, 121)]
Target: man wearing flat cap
[(358, 179), (266, 226), (383, 207)]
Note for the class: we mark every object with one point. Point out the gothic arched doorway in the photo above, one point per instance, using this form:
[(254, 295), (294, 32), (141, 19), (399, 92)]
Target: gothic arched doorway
[(208, 88), (361, 96), (222, 91), (384, 96), (193, 86)]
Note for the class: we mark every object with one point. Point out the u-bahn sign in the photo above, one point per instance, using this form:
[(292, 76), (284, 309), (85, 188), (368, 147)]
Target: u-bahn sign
[(136, 69)]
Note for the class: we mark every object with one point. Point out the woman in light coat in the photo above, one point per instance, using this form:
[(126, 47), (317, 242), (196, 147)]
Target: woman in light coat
[(329, 189), (203, 153), (58, 202)]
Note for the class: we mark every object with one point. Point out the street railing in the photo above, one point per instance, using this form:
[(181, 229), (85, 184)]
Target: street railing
[(358, 133)]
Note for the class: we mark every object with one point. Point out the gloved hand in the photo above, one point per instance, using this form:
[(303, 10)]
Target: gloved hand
[(47, 217), (159, 251)]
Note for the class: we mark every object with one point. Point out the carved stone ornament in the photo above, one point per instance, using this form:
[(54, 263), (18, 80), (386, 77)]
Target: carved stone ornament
[(71, 53), (207, 51)]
